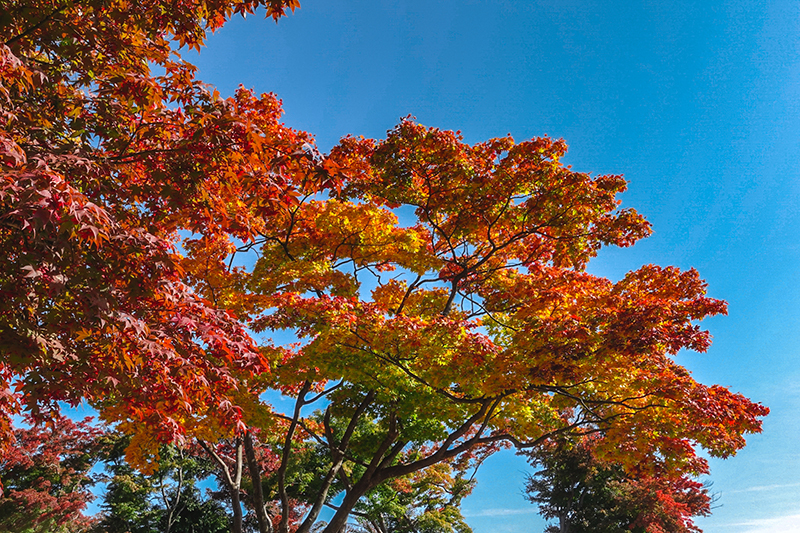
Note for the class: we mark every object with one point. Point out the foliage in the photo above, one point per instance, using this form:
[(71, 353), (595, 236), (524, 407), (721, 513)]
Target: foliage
[(108, 147), (246, 471), (442, 305), (588, 495), (46, 478), (427, 501), (167, 501)]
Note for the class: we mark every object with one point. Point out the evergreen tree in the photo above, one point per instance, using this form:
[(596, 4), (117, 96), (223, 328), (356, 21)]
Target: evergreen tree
[(168, 501)]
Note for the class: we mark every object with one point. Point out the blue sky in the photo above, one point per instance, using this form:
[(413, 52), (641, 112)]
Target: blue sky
[(696, 103)]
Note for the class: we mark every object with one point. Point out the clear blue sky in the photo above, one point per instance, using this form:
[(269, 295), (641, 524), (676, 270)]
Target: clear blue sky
[(696, 103)]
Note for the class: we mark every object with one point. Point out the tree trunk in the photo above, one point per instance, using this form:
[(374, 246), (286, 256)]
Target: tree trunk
[(338, 460), (236, 503), (339, 520), (264, 523), (563, 523), (233, 482)]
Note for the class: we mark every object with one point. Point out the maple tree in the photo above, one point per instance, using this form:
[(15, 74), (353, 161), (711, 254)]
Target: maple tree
[(440, 297), (46, 477), (586, 494), (108, 148), (235, 459), (248, 469)]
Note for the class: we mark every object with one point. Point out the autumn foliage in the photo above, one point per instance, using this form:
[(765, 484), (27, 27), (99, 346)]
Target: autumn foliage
[(46, 477), (436, 290), (104, 161), (441, 298), (586, 494)]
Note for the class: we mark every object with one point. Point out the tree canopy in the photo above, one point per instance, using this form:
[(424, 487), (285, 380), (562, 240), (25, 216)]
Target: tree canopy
[(443, 307), (588, 495), (109, 147), (45, 477), (437, 289)]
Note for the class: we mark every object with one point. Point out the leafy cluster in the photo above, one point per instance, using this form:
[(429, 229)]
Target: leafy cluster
[(169, 500), (588, 495), (46, 477), (109, 146)]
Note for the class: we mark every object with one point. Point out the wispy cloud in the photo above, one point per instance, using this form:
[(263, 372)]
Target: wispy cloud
[(760, 488), (780, 524), (499, 512)]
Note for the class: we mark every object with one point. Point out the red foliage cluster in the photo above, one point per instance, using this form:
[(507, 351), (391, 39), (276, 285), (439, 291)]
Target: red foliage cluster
[(45, 476)]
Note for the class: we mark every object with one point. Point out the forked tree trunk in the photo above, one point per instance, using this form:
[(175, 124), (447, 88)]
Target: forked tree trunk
[(339, 520), (233, 482)]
